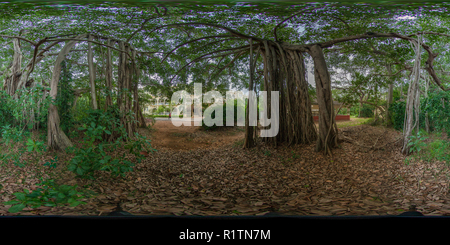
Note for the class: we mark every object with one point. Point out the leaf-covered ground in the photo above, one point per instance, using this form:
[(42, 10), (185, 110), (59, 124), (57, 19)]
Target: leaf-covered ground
[(224, 179)]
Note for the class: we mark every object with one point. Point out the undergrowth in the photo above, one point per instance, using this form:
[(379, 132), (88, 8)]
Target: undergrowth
[(49, 194), (428, 147)]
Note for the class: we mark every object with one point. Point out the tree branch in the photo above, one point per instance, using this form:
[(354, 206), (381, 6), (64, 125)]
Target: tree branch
[(231, 31), (191, 41), (204, 56), (229, 64), (290, 17), (21, 38)]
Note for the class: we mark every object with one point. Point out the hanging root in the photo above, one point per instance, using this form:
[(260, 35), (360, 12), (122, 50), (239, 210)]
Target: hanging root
[(284, 71)]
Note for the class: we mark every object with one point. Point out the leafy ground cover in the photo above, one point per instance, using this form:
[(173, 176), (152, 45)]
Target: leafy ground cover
[(223, 179)]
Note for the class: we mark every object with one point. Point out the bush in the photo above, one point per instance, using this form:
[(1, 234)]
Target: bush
[(26, 110), (224, 108), (110, 120), (438, 107), (366, 110), (64, 98), (93, 157), (397, 114), (435, 149), (50, 194)]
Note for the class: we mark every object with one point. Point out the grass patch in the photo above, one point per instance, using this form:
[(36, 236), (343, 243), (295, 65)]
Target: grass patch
[(355, 121)]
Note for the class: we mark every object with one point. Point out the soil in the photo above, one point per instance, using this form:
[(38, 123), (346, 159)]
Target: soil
[(165, 135)]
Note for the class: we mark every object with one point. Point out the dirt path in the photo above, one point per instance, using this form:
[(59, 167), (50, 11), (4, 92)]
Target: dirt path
[(165, 135)]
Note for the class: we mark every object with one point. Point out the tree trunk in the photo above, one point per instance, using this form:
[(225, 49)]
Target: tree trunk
[(248, 129), (427, 122), (125, 89), (390, 95), (359, 109), (136, 107), (108, 76), (14, 72), (327, 131), (92, 73), (56, 138), (411, 103), (285, 72), (376, 103)]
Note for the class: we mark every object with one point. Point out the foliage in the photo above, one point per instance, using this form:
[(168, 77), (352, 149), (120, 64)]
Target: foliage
[(50, 194), (161, 109), (110, 120), (426, 149), (416, 142), (65, 98), (94, 157), (25, 111), (237, 109), (52, 163), (367, 111), (438, 107), (15, 147), (86, 161), (82, 108), (35, 146), (397, 114), (10, 135)]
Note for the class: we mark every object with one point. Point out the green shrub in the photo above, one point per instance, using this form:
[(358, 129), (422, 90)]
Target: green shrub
[(87, 161), (25, 111), (428, 150), (50, 194), (235, 118), (65, 97), (367, 110), (438, 107), (110, 120), (94, 157), (397, 114), (11, 135)]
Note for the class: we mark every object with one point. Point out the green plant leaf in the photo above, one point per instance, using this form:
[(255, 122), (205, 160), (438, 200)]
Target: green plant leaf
[(20, 196), (11, 202), (16, 208)]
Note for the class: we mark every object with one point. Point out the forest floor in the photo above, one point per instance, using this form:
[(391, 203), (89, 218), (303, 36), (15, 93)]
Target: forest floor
[(208, 173)]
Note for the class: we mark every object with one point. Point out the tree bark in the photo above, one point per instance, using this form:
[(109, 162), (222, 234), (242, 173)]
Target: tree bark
[(92, 73), (327, 131), (390, 95), (248, 129), (427, 122), (108, 76), (56, 138), (125, 90), (136, 107), (285, 72), (411, 103), (14, 72)]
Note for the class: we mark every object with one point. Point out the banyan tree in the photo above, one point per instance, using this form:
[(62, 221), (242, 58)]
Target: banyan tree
[(274, 57), (284, 68), (127, 81)]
